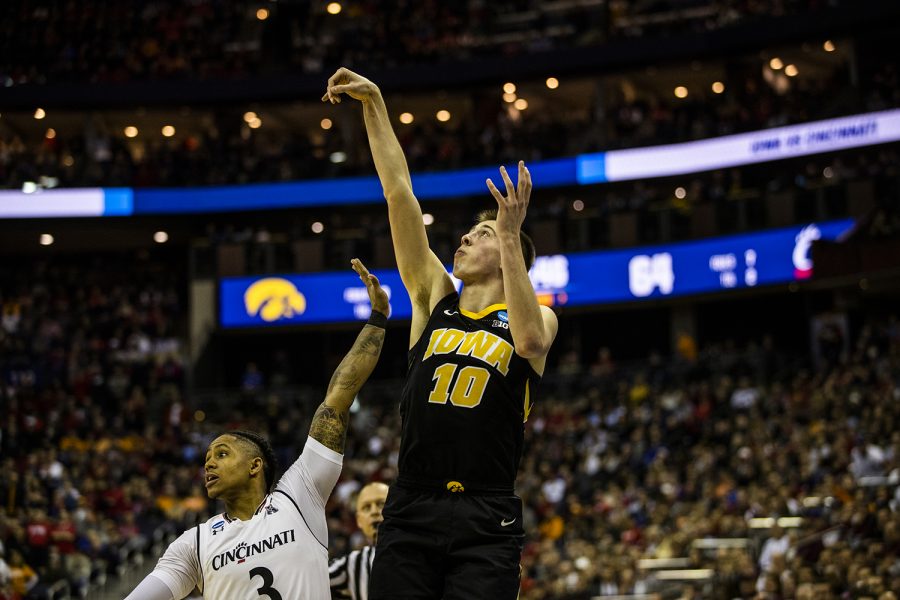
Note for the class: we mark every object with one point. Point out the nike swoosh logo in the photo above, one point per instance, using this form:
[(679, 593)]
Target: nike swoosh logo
[(505, 523), (450, 314)]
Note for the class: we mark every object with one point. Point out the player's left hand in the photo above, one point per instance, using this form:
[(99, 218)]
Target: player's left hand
[(511, 208), (377, 296)]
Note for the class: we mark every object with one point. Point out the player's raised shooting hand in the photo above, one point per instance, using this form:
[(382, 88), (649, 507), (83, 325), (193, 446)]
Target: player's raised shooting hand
[(377, 296), (345, 81), (511, 208)]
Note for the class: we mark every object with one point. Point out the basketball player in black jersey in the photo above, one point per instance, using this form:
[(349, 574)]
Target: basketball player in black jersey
[(452, 523)]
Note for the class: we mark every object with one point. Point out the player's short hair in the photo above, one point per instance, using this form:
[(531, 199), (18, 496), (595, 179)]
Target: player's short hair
[(528, 251), (264, 448)]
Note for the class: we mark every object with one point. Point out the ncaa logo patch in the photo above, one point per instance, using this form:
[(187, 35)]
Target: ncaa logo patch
[(503, 316), (218, 526)]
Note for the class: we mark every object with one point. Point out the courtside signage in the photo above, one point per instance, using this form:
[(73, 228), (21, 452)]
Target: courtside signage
[(586, 278)]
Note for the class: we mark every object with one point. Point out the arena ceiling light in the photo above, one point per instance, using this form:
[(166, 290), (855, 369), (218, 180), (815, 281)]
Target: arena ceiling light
[(249, 116), (521, 104), (160, 237), (509, 88), (718, 87), (443, 116), (829, 46), (46, 239), (791, 71), (262, 14), (334, 8), (255, 123), (131, 131), (510, 98), (317, 227), (406, 118), (681, 92), (40, 113), (338, 157), (51, 133), (552, 83), (578, 205), (168, 131), (428, 218), (325, 123), (776, 64)]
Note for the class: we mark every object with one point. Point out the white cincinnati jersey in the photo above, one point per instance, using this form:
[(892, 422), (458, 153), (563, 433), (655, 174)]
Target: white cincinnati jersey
[(281, 553)]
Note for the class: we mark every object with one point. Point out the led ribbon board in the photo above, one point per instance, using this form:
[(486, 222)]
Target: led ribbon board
[(66, 202), (616, 165), (587, 278), (741, 149)]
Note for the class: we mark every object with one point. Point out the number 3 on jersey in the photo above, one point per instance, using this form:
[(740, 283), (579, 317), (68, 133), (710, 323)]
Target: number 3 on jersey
[(467, 389), (267, 580)]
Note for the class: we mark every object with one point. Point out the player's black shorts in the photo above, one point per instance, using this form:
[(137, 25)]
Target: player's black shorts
[(454, 546)]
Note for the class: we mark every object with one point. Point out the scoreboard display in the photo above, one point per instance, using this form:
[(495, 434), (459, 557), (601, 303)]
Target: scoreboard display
[(579, 279)]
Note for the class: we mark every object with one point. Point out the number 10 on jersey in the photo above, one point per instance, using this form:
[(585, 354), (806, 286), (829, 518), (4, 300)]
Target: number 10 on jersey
[(465, 390)]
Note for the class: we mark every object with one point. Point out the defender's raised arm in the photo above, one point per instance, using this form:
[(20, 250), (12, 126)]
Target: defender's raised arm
[(329, 425)]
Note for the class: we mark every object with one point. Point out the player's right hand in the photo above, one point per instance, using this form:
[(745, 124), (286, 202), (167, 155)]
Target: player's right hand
[(345, 81), (377, 296)]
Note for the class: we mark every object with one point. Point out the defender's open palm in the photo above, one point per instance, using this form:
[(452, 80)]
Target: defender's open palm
[(377, 296), (511, 208), (345, 81)]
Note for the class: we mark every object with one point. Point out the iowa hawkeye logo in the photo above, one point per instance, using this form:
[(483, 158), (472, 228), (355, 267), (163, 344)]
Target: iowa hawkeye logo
[(274, 298)]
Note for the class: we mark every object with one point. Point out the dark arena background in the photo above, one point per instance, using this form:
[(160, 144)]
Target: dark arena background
[(716, 211)]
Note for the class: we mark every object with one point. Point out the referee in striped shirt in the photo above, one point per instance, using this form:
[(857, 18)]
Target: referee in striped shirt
[(350, 574)]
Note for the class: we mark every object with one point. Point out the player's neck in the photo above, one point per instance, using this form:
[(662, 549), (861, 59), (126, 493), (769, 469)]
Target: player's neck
[(478, 295), (244, 506)]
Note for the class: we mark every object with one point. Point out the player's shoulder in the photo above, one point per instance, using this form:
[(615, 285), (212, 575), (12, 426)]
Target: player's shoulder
[(449, 302)]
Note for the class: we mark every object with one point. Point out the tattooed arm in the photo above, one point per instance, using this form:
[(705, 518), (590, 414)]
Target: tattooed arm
[(329, 424)]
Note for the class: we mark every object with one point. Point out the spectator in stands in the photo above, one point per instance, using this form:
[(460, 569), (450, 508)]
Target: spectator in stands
[(23, 578)]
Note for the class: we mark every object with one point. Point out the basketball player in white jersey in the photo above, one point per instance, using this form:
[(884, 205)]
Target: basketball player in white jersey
[(271, 543)]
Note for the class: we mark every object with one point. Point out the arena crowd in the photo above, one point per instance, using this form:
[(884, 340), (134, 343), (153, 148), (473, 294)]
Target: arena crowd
[(625, 460)]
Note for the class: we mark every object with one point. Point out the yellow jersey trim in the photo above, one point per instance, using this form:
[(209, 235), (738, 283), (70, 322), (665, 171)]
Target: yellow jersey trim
[(483, 312), (527, 400)]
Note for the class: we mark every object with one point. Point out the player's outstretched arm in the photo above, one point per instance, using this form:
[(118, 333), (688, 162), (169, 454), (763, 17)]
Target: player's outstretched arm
[(533, 327), (424, 276), (329, 424)]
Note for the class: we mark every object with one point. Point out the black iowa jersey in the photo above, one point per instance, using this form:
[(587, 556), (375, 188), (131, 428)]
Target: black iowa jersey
[(465, 402)]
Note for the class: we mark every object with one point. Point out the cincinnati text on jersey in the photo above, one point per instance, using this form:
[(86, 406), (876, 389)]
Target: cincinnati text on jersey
[(243, 551), (480, 344)]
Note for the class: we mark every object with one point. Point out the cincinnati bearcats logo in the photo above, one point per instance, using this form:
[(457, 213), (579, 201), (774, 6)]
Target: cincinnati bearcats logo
[(803, 264)]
